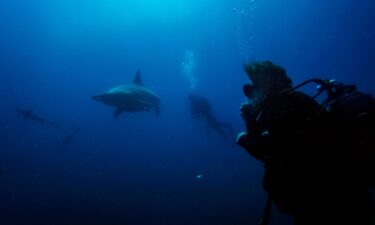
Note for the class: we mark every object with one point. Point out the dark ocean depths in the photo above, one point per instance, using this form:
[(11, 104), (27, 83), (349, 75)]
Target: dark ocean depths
[(143, 169)]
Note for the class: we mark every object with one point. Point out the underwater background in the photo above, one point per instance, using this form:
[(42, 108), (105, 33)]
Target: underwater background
[(142, 168)]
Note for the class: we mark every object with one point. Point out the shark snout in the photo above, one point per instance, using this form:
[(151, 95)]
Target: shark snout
[(97, 97)]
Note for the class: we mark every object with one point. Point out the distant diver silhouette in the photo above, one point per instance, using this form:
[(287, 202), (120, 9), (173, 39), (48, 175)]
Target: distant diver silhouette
[(28, 114), (201, 109), (69, 138)]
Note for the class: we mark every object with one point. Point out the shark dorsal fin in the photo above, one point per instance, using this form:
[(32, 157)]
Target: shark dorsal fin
[(138, 79)]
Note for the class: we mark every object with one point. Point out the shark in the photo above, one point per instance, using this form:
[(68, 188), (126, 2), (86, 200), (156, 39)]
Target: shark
[(28, 114), (69, 138), (131, 97)]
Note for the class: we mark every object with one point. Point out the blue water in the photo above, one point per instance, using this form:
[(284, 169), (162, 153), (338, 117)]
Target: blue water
[(141, 168)]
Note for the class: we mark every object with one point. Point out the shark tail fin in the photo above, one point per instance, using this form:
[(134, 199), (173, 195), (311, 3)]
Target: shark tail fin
[(117, 112)]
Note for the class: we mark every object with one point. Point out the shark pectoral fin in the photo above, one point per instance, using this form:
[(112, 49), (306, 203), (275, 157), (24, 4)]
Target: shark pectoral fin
[(157, 110), (117, 112)]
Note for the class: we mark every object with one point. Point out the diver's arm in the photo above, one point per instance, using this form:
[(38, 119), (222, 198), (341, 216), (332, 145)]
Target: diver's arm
[(254, 146), (254, 141), (247, 113)]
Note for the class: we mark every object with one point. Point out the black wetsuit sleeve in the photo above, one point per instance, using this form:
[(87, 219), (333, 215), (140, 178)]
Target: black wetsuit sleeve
[(256, 147), (278, 125)]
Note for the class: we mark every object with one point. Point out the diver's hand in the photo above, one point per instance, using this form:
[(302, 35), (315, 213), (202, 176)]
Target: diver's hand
[(246, 111), (251, 145), (248, 115), (242, 139)]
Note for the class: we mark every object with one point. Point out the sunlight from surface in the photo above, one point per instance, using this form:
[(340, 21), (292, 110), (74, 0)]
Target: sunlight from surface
[(74, 17), (144, 10), (165, 8)]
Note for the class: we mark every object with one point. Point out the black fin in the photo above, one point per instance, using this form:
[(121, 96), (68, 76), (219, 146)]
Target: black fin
[(117, 112), (138, 79)]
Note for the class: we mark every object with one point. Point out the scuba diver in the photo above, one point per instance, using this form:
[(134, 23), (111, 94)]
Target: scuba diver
[(201, 109), (318, 157), (28, 114), (69, 138)]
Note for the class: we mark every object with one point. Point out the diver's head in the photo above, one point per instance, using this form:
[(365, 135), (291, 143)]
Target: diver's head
[(266, 79)]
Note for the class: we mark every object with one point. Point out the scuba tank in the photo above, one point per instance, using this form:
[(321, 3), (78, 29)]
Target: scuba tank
[(354, 112)]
